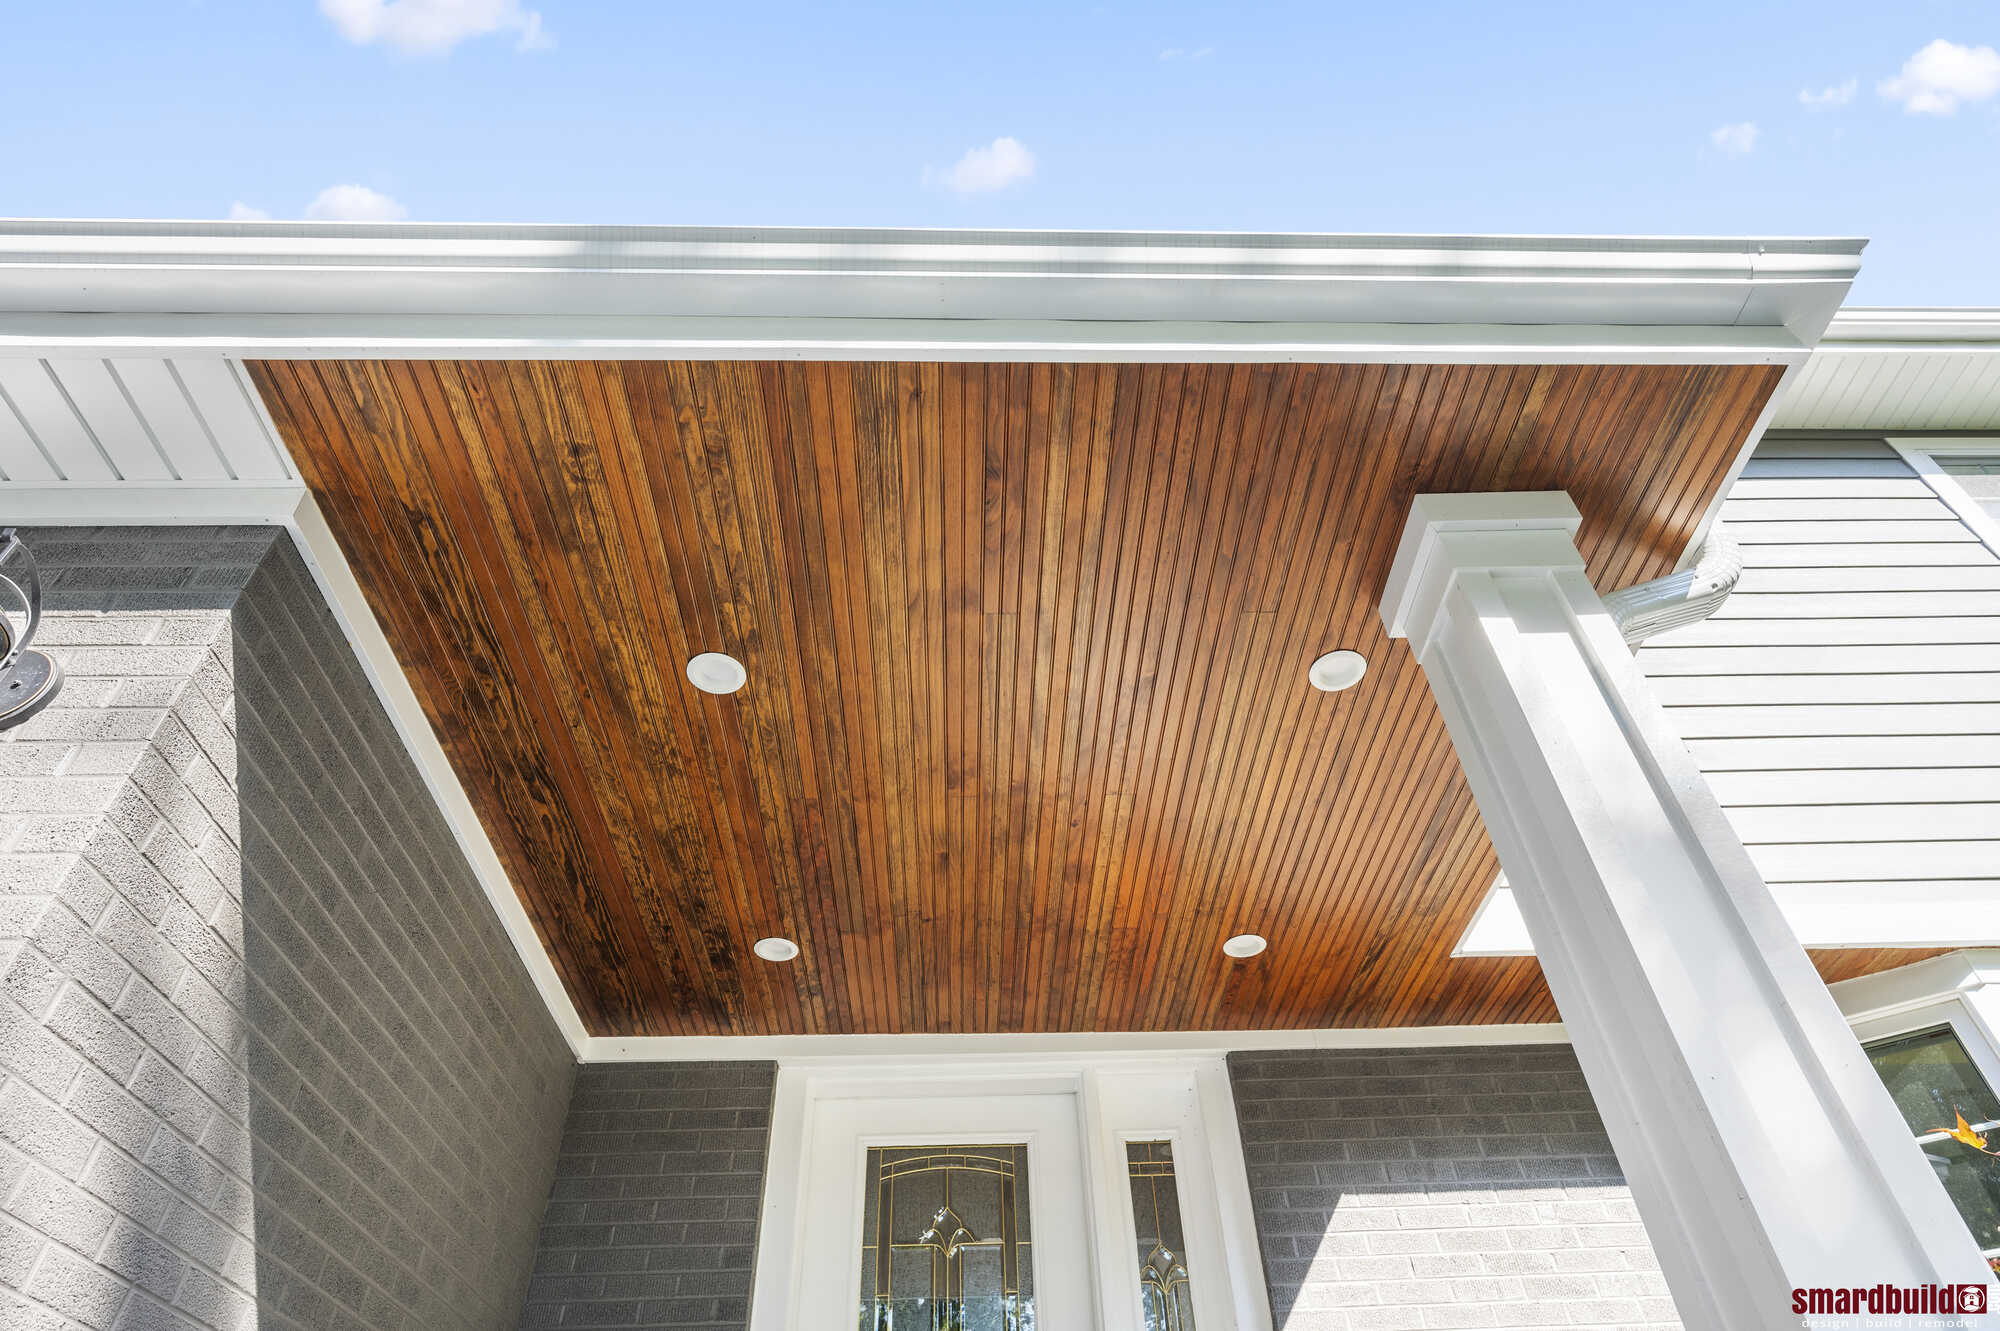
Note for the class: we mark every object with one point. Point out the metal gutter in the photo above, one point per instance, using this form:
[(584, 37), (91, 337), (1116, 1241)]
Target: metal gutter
[(247, 286), (1914, 327)]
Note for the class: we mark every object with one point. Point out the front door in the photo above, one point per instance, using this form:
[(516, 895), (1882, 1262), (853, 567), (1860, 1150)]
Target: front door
[(946, 1211)]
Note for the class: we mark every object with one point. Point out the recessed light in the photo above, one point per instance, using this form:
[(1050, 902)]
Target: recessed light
[(714, 672), (1245, 945), (775, 949), (1338, 670)]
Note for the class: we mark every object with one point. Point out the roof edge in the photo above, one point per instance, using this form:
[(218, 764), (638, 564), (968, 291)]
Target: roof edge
[(395, 271), (1893, 325)]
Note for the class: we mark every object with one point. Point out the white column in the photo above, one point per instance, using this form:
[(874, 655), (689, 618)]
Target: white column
[(1762, 1150)]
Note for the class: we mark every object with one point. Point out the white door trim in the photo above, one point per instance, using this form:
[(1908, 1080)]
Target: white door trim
[(1183, 1098)]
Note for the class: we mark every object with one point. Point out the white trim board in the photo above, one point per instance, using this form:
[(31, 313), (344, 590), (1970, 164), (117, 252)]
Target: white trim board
[(149, 504), (1922, 452), (322, 555), (1094, 1046), (1886, 994)]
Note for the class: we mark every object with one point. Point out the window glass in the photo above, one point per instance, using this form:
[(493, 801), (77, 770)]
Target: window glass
[(1934, 1084), (1977, 474), (945, 1244), (1156, 1215)]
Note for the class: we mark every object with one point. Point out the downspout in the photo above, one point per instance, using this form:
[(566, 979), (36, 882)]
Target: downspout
[(1679, 599)]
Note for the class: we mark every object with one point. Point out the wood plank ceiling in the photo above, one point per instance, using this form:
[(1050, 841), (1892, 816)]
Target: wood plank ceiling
[(1027, 732)]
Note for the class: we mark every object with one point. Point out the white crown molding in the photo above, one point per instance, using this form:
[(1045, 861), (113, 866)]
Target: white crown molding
[(1093, 1046)]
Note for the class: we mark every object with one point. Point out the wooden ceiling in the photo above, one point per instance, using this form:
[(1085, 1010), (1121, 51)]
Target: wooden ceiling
[(1028, 731)]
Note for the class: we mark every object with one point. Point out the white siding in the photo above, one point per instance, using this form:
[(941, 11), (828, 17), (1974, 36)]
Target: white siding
[(1846, 700)]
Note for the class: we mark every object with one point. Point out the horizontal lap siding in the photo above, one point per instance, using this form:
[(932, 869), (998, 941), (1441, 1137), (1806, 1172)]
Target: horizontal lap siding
[(1845, 702)]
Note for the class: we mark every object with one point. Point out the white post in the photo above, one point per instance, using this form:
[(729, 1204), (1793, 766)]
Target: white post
[(1761, 1148)]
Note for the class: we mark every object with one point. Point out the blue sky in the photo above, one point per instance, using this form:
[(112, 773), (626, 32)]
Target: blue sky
[(1681, 118)]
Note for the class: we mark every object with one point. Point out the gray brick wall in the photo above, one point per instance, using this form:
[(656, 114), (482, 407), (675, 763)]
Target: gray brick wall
[(407, 1084), (653, 1218), (124, 1174), (1464, 1188), (200, 909)]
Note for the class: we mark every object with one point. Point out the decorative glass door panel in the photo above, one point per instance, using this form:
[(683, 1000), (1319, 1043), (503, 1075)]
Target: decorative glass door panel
[(1164, 1291), (945, 1241), (938, 1205)]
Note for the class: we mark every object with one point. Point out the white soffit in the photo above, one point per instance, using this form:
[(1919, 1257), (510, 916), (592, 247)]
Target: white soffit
[(86, 439), (312, 289), (1884, 369), (138, 439)]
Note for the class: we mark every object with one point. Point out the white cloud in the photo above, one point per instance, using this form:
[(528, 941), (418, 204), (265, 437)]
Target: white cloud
[(1182, 53), (243, 212), (354, 203), (1938, 78), (1834, 94), (1736, 140), (1003, 162), (432, 27)]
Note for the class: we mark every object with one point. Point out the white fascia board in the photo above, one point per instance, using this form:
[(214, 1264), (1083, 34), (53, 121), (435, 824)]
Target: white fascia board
[(1087, 1045), (451, 279)]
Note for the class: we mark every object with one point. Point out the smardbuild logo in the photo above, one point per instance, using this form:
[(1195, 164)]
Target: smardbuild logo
[(1880, 1300)]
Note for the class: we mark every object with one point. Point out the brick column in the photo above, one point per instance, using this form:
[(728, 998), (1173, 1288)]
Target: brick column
[(125, 1105), (266, 1058)]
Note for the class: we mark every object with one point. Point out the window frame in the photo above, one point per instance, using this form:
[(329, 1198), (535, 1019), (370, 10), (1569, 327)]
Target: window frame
[(1957, 1009), (1922, 454)]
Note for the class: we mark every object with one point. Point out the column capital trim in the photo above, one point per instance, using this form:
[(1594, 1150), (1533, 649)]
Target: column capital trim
[(1449, 534)]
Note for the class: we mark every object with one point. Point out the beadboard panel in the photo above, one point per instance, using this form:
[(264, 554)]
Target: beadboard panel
[(1027, 731)]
